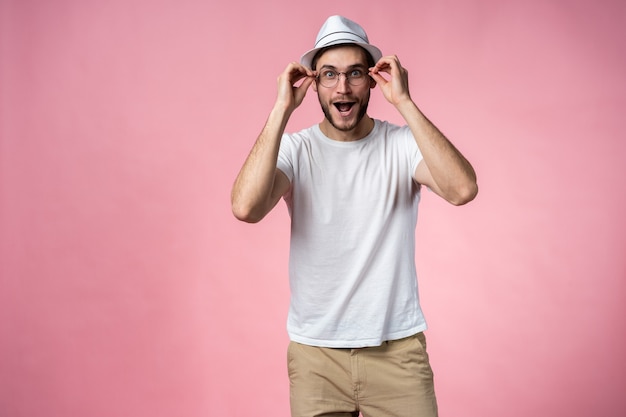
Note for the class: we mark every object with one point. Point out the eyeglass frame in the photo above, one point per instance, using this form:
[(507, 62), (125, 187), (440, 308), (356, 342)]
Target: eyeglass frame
[(346, 74)]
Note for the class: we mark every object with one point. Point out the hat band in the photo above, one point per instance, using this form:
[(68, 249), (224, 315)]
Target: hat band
[(319, 42)]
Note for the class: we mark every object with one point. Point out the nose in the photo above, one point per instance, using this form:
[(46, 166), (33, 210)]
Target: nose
[(342, 84)]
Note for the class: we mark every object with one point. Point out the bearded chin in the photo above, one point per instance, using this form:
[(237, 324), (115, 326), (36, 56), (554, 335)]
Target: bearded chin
[(346, 128)]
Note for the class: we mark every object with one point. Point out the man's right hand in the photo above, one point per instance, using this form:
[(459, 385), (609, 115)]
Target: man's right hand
[(291, 93)]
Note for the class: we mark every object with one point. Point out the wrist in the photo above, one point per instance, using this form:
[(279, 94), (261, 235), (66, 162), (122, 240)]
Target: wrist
[(283, 108), (406, 104)]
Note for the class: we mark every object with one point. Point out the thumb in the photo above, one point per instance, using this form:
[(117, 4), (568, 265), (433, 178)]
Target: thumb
[(301, 90)]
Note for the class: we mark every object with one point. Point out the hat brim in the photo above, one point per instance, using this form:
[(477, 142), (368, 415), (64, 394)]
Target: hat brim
[(307, 58)]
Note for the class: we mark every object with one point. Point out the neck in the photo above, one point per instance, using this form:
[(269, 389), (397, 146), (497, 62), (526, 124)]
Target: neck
[(362, 129)]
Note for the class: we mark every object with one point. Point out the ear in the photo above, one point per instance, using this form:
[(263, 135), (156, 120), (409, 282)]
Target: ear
[(314, 85), (372, 83)]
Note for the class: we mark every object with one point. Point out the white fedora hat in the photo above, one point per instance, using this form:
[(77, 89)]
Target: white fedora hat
[(338, 30)]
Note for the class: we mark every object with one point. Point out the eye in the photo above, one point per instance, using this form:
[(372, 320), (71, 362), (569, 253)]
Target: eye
[(328, 74), (356, 73)]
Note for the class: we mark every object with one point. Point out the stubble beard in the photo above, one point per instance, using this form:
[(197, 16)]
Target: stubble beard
[(346, 128)]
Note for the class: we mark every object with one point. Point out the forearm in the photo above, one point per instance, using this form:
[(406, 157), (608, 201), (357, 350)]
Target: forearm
[(253, 191), (453, 175)]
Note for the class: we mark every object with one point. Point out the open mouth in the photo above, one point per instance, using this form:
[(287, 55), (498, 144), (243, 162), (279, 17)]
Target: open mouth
[(343, 106)]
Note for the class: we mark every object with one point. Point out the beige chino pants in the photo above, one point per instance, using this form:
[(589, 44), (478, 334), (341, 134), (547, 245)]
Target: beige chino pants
[(391, 380)]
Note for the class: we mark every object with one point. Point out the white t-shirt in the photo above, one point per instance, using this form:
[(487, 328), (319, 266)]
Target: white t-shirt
[(353, 208)]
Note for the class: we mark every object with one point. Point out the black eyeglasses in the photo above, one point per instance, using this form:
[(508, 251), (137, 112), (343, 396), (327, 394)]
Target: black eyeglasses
[(329, 78)]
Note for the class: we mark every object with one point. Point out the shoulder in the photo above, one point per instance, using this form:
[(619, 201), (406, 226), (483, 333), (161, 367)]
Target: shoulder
[(297, 139), (388, 129), (397, 134)]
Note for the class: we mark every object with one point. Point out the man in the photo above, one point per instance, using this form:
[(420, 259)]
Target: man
[(352, 186)]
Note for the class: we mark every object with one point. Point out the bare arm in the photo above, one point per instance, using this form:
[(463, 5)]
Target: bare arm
[(260, 185), (444, 169)]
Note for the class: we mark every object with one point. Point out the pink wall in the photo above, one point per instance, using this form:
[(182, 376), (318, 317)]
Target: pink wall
[(128, 289)]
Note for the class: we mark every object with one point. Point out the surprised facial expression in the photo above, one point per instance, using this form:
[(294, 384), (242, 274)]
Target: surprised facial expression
[(344, 104)]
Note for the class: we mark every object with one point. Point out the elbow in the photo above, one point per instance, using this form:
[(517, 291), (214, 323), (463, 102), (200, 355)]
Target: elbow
[(248, 208), (245, 213), (464, 194)]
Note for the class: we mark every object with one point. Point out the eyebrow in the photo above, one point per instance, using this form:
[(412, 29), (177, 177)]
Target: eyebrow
[(353, 66)]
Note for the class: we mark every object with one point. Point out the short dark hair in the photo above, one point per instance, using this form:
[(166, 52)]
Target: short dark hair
[(368, 56)]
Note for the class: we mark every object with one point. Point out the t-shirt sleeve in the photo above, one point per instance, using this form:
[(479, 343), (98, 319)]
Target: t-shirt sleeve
[(413, 151), (285, 156)]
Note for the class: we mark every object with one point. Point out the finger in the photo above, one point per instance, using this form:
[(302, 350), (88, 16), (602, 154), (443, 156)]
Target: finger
[(292, 73), (306, 83), (379, 79), (303, 79), (296, 67), (382, 67), (300, 91), (388, 63)]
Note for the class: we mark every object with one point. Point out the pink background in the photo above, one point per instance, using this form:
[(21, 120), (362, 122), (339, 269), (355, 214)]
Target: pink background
[(128, 289)]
